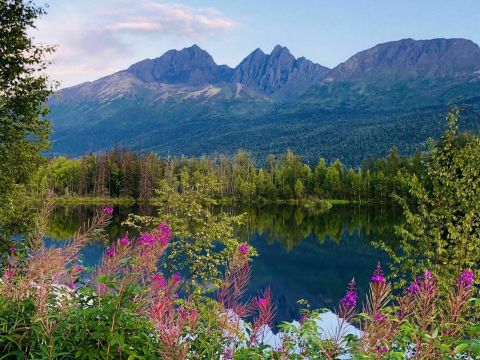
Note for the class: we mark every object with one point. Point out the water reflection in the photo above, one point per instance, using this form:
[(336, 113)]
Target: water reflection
[(302, 255)]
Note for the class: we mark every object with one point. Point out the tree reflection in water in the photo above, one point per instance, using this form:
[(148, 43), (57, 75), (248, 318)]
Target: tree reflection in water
[(302, 255)]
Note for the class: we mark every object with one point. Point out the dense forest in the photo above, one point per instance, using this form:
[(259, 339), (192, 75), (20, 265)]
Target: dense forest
[(123, 173)]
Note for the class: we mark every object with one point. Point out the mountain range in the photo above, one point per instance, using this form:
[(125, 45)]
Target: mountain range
[(183, 103)]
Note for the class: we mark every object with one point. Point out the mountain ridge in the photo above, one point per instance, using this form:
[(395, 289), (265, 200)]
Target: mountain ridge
[(206, 108)]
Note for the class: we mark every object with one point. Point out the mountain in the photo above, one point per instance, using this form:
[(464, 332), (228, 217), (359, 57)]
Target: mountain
[(182, 102), (191, 65), (410, 60), (408, 73), (278, 74)]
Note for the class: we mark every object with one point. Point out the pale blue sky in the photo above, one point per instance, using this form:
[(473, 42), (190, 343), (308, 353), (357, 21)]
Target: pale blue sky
[(96, 38)]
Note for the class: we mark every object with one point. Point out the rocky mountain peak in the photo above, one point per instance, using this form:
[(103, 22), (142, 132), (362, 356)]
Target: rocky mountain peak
[(279, 51), (191, 65), (273, 72), (409, 59)]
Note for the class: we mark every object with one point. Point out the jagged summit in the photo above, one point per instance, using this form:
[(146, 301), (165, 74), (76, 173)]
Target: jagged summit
[(278, 71), (191, 65)]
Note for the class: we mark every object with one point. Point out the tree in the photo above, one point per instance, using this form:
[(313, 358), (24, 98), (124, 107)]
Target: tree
[(299, 189), (442, 228), (24, 131), (204, 238)]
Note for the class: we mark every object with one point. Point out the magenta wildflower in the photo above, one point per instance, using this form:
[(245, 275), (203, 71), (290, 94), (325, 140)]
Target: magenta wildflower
[(158, 280), (414, 288), (176, 277), (262, 302), (9, 273), (183, 314), (466, 279), (193, 314), (350, 298), (165, 235), (12, 249), (378, 276), (427, 282), (383, 350), (428, 277), (243, 248), (110, 251), (124, 240), (379, 317), (146, 239), (108, 210)]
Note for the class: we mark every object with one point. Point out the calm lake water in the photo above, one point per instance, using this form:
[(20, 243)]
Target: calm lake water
[(302, 255)]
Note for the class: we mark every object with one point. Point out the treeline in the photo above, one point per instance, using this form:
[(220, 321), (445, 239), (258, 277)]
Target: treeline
[(123, 173)]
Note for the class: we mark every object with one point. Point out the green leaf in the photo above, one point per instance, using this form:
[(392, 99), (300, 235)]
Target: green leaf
[(459, 349)]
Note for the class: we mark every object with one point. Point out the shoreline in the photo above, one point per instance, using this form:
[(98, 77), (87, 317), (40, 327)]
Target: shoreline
[(307, 203)]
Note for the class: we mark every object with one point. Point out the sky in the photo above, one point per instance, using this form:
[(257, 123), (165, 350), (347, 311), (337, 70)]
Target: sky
[(95, 38)]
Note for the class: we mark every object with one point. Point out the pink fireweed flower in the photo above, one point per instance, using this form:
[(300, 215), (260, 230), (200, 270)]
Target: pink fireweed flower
[(378, 276), (146, 239), (176, 277), (262, 302), (243, 249), (108, 210), (466, 279), (414, 288), (165, 233), (193, 315), (110, 251), (350, 298), (158, 280), (124, 240), (427, 282), (428, 277), (379, 317), (9, 273)]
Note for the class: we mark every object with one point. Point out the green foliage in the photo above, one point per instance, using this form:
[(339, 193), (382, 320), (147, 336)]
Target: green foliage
[(442, 228), (204, 238), (23, 91), (104, 327), (121, 173), (96, 328)]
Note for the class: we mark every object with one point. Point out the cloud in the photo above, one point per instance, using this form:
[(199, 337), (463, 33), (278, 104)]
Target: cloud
[(173, 19), (98, 38)]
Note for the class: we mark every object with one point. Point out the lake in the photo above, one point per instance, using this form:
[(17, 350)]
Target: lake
[(302, 255)]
